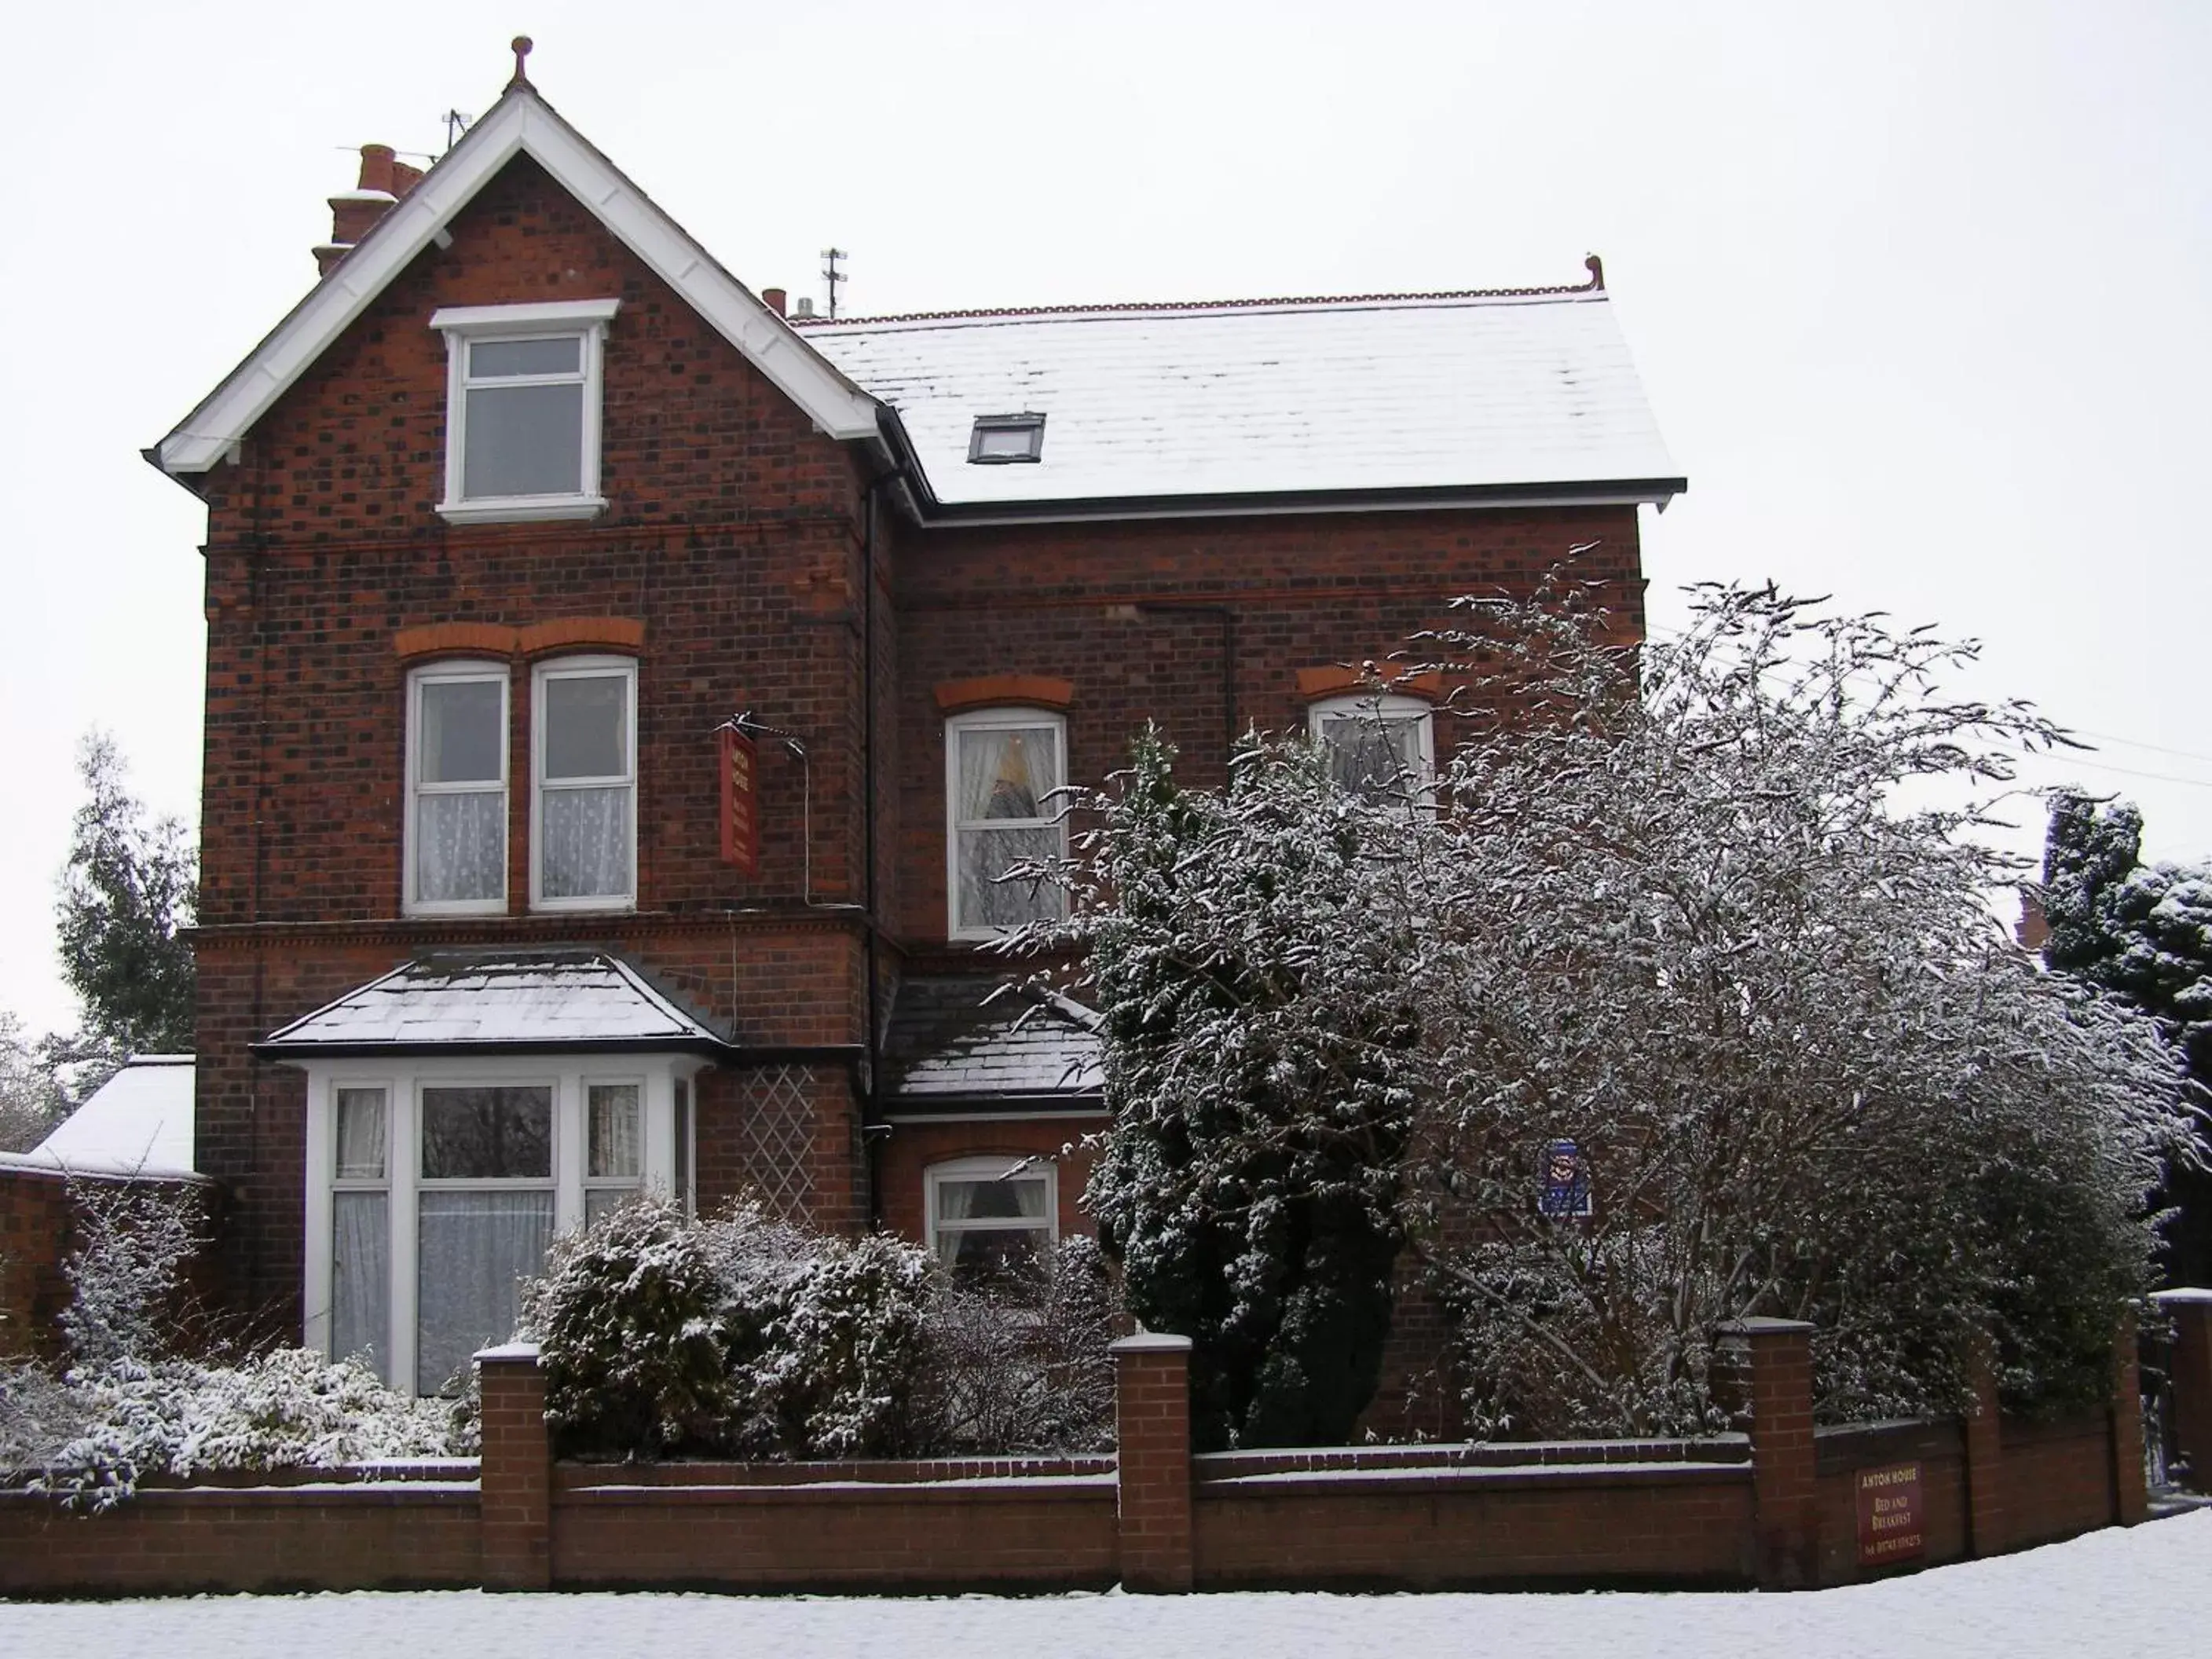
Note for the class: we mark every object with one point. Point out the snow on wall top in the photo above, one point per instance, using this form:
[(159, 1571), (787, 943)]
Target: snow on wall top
[(137, 1123), (545, 999), (1478, 392)]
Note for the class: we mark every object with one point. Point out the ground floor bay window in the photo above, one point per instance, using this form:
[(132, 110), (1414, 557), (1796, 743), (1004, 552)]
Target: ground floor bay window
[(433, 1185)]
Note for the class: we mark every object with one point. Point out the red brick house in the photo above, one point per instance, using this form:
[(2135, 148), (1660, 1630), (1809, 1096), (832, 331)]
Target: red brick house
[(529, 498)]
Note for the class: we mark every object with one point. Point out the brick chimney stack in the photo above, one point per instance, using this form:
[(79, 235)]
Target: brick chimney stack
[(354, 213), (773, 298)]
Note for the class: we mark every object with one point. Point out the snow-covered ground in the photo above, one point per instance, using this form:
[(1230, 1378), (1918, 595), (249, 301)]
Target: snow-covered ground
[(2138, 1592)]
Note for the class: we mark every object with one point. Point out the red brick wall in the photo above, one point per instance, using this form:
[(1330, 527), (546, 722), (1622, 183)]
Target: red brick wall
[(35, 1224), (1448, 1528), (1305, 591), (1938, 1448), (2057, 1478), (321, 1538)]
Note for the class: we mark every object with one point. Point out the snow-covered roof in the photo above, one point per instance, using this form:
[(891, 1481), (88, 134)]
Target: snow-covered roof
[(137, 1123), (1516, 396), (577, 1000), (947, 1043)]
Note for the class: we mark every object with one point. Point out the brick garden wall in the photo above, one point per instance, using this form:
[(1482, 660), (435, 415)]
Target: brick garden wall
[(1735, 1511)]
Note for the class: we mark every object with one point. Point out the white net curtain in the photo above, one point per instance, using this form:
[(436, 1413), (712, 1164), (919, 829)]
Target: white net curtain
[(1004, 816)]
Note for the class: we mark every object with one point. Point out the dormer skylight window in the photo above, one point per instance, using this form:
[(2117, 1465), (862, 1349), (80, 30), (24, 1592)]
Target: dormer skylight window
[(999, 439)]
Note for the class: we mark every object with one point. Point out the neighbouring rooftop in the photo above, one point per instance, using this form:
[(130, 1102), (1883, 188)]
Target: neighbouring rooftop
[(139, 1122)]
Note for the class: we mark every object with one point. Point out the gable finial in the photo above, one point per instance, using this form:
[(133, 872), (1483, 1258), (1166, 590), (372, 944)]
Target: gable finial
[(1595, 266), (521, 51)]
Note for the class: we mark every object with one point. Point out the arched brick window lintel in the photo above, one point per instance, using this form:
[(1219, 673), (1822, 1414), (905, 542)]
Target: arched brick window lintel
[(1341, 679), (1004, 690)]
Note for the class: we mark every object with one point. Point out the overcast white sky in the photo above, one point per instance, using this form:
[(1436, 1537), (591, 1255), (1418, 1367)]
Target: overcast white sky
[(1918, 291)]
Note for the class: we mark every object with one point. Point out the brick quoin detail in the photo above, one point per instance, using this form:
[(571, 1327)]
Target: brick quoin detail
[(1152, 1420), (1784, 1474), (1024, 690), (517, 1470)]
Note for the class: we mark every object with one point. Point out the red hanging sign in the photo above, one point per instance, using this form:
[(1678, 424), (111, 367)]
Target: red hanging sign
[(740, 826)]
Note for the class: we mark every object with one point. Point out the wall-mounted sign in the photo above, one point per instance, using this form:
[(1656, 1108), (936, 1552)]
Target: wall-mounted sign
[(1564, 1189), (740, 824), (1890, 1516)]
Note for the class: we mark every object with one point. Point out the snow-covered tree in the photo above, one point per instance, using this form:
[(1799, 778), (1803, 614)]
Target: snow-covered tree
[(1712, 910), (1259, 1030), (2143, 932), (127, 893)]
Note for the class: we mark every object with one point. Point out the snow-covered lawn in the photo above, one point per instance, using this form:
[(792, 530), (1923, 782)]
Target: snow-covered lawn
[(2139, 1592)]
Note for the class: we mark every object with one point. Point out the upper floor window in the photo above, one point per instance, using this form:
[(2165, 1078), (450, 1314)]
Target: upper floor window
[(583, 839), (1379, 746), (456, 834), (522, 409), (1001, 769)]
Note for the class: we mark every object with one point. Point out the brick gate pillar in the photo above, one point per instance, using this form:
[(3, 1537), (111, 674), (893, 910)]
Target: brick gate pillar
[(1784, 1487), (1151, 1426), (2130, 1486), (1986, 1532), (2192, 1313), (515, 1493)]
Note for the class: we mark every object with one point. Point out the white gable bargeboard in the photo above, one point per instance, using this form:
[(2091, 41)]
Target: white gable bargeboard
[(521, 123)]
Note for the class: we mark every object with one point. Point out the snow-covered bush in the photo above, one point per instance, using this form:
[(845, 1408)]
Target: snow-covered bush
[(1249, 954), (743, 1334), (136, 1239), (1019, 1368), (286, 1409), (132, 1408), (630, 1315)]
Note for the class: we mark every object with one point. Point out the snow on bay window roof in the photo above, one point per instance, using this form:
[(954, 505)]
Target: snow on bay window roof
[(1527, 394), (575, 1001)]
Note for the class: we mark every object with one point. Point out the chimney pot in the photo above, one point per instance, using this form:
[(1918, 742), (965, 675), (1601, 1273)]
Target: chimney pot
[(376, 168), (773, 298), (805, 306)]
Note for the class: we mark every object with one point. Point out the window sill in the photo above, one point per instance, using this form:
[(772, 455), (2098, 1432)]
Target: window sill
[(523, 511), (543, 907)]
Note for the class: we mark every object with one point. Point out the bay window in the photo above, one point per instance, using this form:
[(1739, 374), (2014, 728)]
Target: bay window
[(435, 1185), (583, 809), (1002, 767), (456, 832)]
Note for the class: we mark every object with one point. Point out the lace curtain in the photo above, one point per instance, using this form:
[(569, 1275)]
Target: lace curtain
[(361, 1276), (584, 843), (1006, 777), (615, 1139), (987, 1200), (470, 1249), (1374, 756)]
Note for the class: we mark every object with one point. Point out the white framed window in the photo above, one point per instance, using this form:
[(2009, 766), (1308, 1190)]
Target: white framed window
[(360, 1224), (992, 1217), (1379, 746), (433, 1185), (614, 1145), (583, 801), (456, 832), (1002, 767), (523, 400)]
